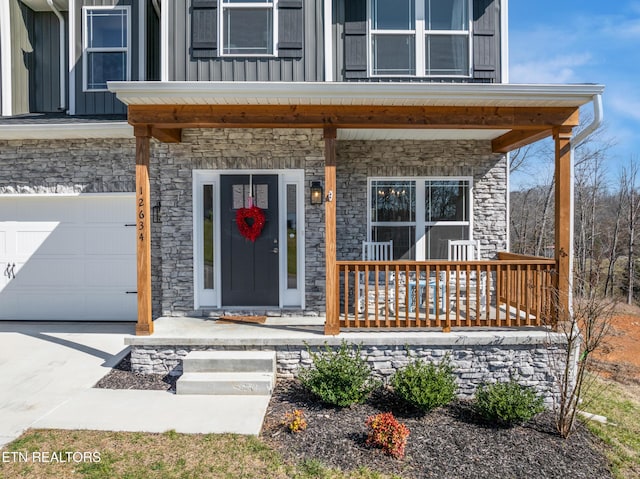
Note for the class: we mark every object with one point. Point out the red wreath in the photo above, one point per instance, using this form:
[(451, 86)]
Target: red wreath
[(251, 230)]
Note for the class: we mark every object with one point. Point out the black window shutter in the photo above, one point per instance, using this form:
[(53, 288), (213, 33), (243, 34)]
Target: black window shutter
[(290, 28), (355, 39), (204, 28), (486, 44)]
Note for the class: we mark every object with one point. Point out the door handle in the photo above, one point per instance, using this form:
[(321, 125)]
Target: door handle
[(9, 271)]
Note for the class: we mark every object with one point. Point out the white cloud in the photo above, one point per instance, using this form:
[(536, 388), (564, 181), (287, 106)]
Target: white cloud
[(560, 69), (625, 105)]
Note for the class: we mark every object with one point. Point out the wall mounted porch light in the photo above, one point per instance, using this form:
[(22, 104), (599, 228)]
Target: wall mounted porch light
[(316, 193), (155, 213)]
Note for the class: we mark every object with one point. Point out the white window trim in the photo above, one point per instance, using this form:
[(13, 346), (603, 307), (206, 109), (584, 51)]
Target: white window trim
[(204, 299), (419, 33), (86, 50), (273, 5), (420, 223)]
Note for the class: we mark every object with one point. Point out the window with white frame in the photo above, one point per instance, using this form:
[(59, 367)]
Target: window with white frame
[(107, 43), (420, 37), (248, 27), (420, 215)]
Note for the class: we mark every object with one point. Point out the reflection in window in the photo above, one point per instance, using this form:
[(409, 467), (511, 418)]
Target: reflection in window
[(207, 232), (106, 44), (393, 215), (446, 201), (248, 27), (292, 238), (393, 201)]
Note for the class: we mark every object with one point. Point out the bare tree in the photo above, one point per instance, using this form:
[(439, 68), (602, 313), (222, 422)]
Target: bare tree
[(584, 332)]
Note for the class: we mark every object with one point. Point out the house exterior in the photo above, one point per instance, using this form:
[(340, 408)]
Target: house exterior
[(133, 133)]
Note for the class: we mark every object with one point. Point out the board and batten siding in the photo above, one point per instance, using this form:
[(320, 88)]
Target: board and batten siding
[(102, 102), (200, 61), (45, 73), (351, 44)]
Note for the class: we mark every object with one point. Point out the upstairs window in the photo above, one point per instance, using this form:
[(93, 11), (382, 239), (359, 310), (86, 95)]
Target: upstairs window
[(248, 27), (420, 37), (106, 42)]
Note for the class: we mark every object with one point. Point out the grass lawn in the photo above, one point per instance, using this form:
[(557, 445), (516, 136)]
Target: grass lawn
[(620, 405), (168, 455)]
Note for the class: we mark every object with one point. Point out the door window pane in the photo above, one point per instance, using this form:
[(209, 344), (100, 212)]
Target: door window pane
[(248, 31), (394, 55), (292, 238), (207, 233), (392, 15)]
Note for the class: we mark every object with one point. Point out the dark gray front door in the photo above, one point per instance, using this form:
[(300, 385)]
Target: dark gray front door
[(249, 269)]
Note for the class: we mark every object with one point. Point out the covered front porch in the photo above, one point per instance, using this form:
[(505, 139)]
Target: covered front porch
[(501, 290)]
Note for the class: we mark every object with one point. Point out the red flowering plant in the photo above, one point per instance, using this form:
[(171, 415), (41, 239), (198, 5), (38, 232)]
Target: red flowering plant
[(385, 432)]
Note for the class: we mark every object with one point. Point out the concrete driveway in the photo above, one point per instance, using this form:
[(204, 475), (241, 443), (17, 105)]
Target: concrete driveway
[(44, 365)]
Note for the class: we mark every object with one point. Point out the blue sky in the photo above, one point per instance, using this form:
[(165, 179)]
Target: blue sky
[(584, 41)]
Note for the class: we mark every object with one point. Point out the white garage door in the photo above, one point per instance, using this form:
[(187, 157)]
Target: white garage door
[(68, 258)]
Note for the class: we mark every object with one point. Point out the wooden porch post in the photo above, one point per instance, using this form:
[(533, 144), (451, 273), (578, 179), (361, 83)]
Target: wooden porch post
[(563, 233), (332, 323), (144, 327)]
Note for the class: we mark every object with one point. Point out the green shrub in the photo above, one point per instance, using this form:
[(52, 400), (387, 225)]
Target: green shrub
[(507, 403), (340, 378), (425, 385)]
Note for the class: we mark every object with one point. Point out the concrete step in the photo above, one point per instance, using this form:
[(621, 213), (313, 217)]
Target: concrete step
[(229, 362), (226, 384)]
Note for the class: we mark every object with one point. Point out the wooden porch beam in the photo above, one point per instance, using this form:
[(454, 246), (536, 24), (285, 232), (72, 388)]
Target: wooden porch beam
[(517, 139), (144, 326), (167, 135), (563, 233), (332, 321), (332, 116)]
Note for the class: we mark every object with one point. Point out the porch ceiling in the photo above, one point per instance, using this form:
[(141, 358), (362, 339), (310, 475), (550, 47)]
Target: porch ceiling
[(510, 115)]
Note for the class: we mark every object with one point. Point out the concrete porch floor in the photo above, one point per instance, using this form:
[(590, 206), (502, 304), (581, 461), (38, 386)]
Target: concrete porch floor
[(296, 331)]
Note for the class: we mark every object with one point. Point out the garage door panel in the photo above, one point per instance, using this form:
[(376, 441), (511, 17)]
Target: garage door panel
[(47, 306), (108, 241), (42, 208), (120, 307), (60, 240), (49, 272), (75, 259), (117, 272), (119, 210), (8, 304)]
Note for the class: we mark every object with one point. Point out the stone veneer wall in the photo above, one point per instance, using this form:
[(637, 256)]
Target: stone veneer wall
[(227, 149), (359, 160), (67, 166), (535, 364)]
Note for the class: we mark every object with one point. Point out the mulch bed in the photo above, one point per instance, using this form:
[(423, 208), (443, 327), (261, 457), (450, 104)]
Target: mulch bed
[(449, 442), (121, 377)]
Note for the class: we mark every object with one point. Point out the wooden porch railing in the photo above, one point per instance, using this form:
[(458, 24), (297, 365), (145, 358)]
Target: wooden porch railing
[(513, 290)]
